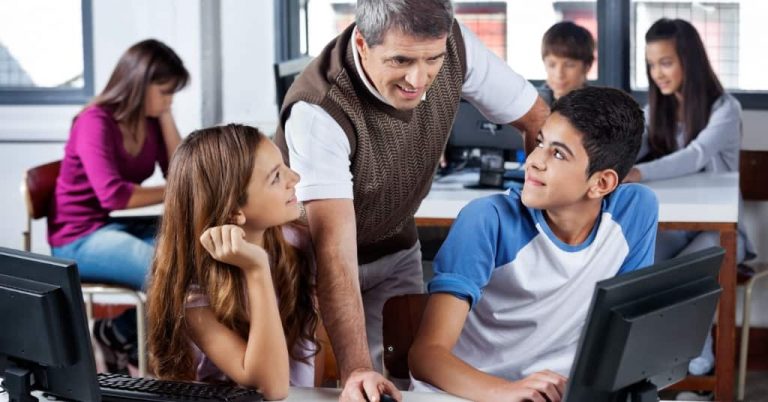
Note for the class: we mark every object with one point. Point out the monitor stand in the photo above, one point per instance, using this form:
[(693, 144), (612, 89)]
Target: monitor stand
[(17, 382), (643, 391), (491, 170), (493, 174)]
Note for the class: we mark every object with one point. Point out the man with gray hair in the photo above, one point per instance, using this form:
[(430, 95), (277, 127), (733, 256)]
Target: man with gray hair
[(365, 126)]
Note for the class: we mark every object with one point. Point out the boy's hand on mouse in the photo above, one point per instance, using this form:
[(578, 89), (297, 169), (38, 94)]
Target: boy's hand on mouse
[(367, 385), (541, 386), (227, 244)]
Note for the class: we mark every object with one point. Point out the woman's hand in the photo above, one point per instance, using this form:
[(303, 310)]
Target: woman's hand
[(633, 176), (170, 133), (227, 244)]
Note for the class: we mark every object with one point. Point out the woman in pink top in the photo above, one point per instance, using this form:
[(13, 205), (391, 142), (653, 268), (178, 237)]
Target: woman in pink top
[(115, 143), (231, 295)]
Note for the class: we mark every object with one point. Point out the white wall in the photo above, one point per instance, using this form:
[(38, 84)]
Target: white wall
[(117, 24), (248, 50), (32, 135)]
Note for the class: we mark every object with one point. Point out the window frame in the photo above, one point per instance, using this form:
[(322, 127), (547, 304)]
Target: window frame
[(613, 24), (750, 100), (287, 29), (60, 96)]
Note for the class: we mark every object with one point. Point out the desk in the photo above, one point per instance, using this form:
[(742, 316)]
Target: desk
[(148, 211), (332, 395), (704, 201), (326, 395)]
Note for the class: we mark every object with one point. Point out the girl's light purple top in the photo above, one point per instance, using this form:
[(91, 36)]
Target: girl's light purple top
[(98, 175)]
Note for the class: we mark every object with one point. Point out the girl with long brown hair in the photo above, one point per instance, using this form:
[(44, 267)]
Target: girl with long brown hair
[(692, 125), (231, 292), (115, 143)]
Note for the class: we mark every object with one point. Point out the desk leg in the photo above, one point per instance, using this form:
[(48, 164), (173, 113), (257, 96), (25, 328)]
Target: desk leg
[(725, 347)]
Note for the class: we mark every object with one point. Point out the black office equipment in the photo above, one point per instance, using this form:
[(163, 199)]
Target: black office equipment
[(644, 327), (285, 73), (123, 388), (497, 143), (44, 342)]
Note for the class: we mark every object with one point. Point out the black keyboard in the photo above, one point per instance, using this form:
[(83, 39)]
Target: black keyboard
[(123, 388)]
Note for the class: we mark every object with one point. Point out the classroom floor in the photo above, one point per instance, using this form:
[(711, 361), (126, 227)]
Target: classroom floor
[(757, 387)]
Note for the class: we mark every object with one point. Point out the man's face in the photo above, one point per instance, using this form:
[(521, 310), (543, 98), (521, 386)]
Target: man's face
[(402, 67)]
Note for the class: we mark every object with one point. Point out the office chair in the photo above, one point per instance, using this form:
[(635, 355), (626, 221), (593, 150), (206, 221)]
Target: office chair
[(401, 319), (752, 167), (37, 188)]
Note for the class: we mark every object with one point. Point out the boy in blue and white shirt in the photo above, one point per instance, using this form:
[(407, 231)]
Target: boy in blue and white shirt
[(515, 276)]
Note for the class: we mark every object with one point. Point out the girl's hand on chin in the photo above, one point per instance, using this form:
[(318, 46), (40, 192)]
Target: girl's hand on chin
[(227, 244)]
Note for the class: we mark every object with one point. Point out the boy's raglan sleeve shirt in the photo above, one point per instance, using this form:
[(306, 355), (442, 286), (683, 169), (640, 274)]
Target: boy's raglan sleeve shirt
[(466, 260), (639, 210)]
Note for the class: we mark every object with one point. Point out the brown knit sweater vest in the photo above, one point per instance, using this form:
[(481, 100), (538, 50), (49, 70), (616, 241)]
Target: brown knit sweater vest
[(394, 153)]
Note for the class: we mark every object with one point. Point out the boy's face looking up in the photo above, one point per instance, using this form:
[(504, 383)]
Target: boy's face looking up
[(556, 170)]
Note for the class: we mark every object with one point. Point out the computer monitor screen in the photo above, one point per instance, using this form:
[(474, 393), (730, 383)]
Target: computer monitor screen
[(644, 327), (285, 73), (45, 344), (472, 130)]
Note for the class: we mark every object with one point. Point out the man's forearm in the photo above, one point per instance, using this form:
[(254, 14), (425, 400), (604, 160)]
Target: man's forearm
[(530, 124), (333, 230), (341, 307)]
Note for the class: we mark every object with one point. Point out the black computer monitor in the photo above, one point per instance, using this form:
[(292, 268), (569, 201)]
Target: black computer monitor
[(44, 343), (473, 130), (644, 327), (285, 73), (497, 143)]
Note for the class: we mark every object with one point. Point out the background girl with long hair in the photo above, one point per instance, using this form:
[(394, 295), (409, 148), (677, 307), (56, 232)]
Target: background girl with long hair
[(692, 125), (231, 292), (114, 145)]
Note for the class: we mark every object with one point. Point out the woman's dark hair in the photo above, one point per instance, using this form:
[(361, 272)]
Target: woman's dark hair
[(700, 88), (566, 39), (147, 62)]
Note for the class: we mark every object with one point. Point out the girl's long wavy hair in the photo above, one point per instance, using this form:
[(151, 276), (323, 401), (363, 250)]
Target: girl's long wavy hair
[(207, 181), (147, 62), (701, 88)]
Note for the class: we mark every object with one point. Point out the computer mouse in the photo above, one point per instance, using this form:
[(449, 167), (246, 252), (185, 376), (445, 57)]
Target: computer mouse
[(383, 398), (386, 398)]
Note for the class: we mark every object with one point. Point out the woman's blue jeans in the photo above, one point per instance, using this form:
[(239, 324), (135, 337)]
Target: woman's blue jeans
[(118, 253)]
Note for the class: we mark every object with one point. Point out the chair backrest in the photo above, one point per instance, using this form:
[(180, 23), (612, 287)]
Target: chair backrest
[(38, 185), (752, 168), (401, 319)]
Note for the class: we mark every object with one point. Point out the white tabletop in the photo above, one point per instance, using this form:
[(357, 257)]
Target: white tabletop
[(152, 210), (332, 395), (701, 197), (297, 394), (325, 395)]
